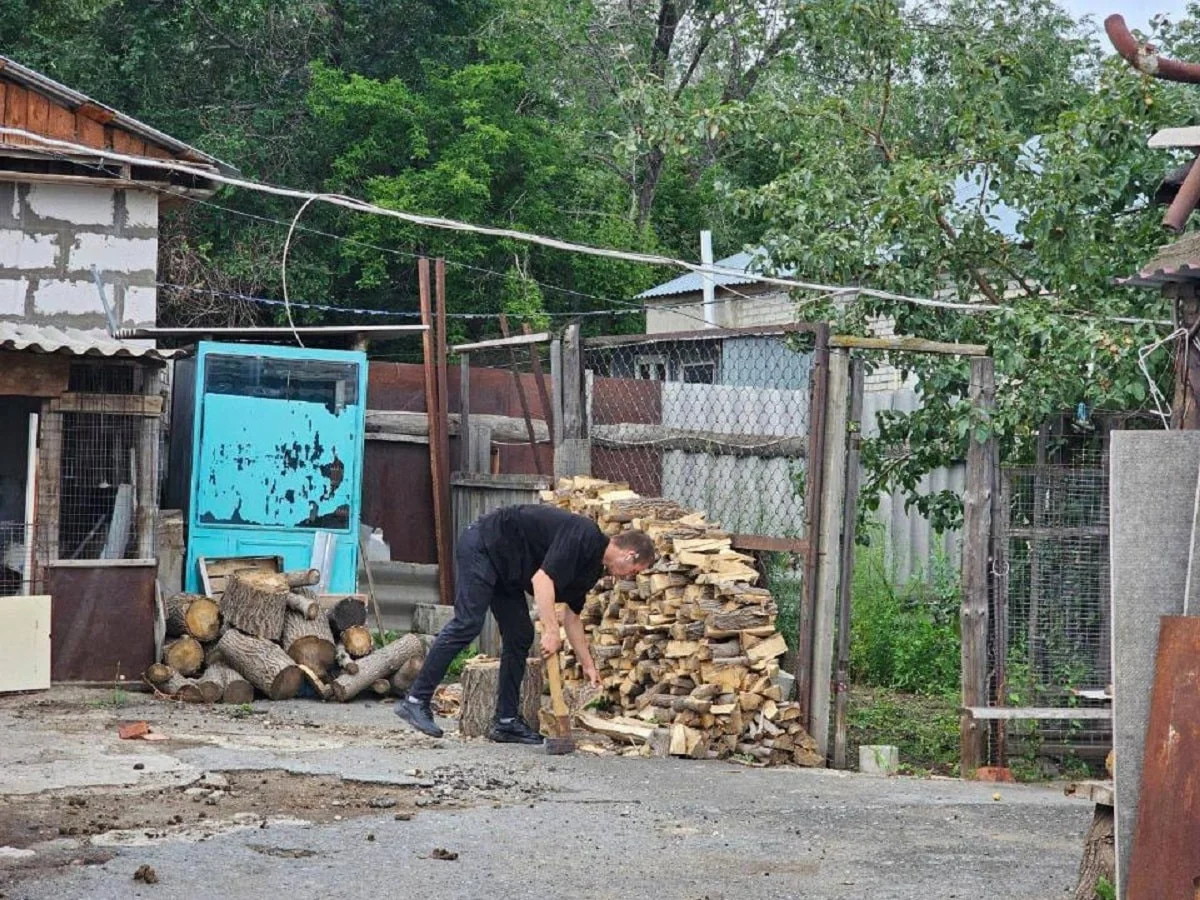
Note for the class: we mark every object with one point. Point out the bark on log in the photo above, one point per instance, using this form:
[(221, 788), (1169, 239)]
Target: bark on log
[(263, 664), (184, 689), (193, 615), (304, 605), (358, 641), (381, 687), (380, 664), (233, 688), (158, 673), (347, 613), (302, 577), (184, 655), (480, 683), (308, 641), (345, 661), (255, 603), (1099, 855), (404, 676)]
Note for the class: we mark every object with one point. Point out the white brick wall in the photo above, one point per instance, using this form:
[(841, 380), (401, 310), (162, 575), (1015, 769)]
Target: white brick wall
[(57, 297), (12, 297), (141, 208), (19, 250), (112, 254), (77, 204), (141, 304)]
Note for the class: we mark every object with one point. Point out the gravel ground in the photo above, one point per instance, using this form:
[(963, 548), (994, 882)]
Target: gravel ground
[(371, 808)]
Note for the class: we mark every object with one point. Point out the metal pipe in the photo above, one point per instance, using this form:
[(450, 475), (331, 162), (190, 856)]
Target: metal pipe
[(1185, 200), (1145, 58), (709, 294)]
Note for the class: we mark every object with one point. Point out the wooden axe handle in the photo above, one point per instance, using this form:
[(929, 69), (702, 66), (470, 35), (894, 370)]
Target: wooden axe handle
[(554, 674)]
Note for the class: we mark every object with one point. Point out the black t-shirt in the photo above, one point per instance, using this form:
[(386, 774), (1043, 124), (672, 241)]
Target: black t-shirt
[(569, 548)]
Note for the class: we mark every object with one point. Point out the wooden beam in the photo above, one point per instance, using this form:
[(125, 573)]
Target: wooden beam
[(708, 334), (109, 404), (431, 406), (906, 344), (535, 360), (519, 385), (841, 681), (766, 544), (464, 412), (573, 456), (1039, 713), (977, 527), (516, 340), (385, 425), (446, 524), (665, 437), (33, 374)]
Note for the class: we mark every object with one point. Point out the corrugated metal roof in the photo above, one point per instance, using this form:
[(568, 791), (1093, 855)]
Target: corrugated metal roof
[(1177, 262), (74, 341), (749, 262), (73, 99)]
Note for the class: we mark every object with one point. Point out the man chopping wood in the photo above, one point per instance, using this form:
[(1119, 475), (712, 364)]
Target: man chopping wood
[(555, 555)]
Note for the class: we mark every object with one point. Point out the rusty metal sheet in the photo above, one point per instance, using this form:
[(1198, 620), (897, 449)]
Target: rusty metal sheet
[(101, 619), (401, 386), (1165, 862), (620, 400)]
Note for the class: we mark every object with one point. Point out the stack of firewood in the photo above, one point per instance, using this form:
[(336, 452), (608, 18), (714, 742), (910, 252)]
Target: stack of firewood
[(690, 644), (268, 633)]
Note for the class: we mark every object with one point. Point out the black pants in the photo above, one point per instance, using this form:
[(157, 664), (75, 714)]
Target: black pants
[(477, 589)]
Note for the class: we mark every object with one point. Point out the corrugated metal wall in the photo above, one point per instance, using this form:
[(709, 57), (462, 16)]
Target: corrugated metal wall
[(911, 541)]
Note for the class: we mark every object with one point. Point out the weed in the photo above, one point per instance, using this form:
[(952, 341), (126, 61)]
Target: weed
[(925, 728), (241, 711), (384, 638), (459, 662), (600, 703), (1105, 889)]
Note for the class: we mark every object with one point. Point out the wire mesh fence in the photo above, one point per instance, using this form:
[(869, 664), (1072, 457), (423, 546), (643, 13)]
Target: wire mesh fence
[(717, 423)]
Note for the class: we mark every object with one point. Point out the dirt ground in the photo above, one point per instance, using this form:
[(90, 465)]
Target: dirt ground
[(305, 795)]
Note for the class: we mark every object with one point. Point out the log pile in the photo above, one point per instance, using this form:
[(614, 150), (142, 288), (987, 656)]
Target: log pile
[(689, 647), (269, 635)]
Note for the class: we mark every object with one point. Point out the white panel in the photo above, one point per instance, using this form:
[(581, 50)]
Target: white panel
[(77, 204), (24, 643), (113, 254)]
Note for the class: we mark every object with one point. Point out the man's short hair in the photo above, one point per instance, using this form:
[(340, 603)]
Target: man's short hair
[(640, 543)]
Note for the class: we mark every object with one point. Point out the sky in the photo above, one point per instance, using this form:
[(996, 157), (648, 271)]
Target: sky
[(1137, 13)]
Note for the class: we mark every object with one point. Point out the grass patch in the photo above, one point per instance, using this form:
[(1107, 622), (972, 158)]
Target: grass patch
[(924, 727), (459, 662)]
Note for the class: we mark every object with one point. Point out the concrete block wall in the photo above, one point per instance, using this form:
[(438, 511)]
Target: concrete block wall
[(50, 237)]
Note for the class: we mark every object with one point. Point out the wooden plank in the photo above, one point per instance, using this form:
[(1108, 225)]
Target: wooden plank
[(39, 113), (1185, 136), (556, 390), (464, 412), (973, 616), (446, 528), (906, 344), (124, 142), (664, 437), (1039, 713), (833, 495), (60, 123), (1000, 538), (33, 374), (841, 681), (115, 404), (708, 334), (1164, 862), (516, 340), (573, 455), (524, 401), (16, 113), (1100, 792), (768, 544), (441, 512), (1044, 532), (539, 376), (385, 423), (95, 113), (88, 131)]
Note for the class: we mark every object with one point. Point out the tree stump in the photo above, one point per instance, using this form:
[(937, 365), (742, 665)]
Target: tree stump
[(193, 615), (358, 641), (256, 603), (380, 664), (1099, 854), (480, 682), (347, 613), (184, 655), (232, 687), (263, 664), (308, 641)]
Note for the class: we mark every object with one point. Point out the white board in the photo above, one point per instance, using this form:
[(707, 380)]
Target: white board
[(25, 643)]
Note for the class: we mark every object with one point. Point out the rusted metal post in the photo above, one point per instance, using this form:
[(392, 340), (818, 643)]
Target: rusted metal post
[(977, 522), (517, 382), (446, 528), (812, 514), (846, 572), (432, 404)]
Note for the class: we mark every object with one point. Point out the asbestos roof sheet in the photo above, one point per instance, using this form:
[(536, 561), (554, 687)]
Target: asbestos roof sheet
[(749, 262), (1177, 262), (75, 342)]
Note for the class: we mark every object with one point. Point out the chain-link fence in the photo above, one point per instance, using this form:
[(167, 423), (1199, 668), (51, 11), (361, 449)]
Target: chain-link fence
[(718, 423)]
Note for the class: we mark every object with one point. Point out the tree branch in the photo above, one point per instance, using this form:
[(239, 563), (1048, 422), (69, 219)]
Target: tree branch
[(984, 286)]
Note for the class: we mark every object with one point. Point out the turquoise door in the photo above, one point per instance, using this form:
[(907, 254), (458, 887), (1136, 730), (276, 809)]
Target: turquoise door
[(277, 456)]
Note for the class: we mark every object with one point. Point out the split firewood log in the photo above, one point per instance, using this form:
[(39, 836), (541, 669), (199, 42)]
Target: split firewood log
[(308, 641), (193, 615), (256, 603), (358, 641), (184, 655), (380, 664), (232, 687), (480, 683), (263, 664), (347, 613), (302, 577)]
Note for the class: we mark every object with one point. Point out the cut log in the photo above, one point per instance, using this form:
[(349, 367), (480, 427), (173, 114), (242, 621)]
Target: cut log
[(193, 615), (255, 603), (158, 673), (380, 664), (358, 641), (184, 689), (347, 613), (304, 605), (480, 682), (381, 687), (404, 677), (262, 663), (302, 577), (323, 690), (620, 728), (345, 661), (232, 687), (308, 641), (184, 655)]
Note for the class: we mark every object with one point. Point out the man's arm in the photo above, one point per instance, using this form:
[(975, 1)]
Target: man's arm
[(579, 643), (543, 601)]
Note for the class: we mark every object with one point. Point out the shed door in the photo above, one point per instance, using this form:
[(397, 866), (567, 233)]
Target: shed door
[(279, 443)]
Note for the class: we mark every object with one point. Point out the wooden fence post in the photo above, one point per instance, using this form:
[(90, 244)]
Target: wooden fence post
[(573, 456), (841, 682), (977, 522)]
